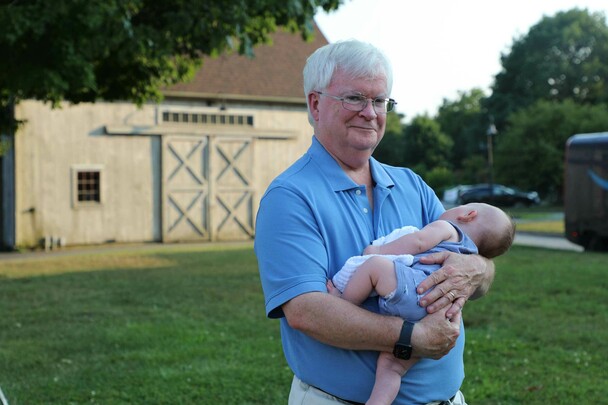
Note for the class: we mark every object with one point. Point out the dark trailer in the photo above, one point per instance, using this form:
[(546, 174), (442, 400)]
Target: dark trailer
[(586, 191)]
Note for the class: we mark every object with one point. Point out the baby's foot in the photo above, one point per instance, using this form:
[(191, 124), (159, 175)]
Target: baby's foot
[(331, 288)]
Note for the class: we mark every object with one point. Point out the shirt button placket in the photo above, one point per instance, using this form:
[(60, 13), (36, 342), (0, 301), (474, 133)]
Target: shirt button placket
[(358, 193)]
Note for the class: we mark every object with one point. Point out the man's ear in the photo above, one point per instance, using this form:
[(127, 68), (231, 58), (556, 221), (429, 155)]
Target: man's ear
[(468, 217), (313, 105)]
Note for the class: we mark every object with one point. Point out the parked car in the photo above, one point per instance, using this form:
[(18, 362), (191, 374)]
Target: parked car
[(499, 195), (451, 196)]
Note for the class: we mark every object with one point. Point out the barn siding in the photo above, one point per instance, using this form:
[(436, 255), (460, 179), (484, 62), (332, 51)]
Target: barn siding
[(54, 142)]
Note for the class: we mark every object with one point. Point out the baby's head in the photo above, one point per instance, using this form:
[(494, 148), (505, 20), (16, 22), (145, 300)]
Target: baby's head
[(490, 228)]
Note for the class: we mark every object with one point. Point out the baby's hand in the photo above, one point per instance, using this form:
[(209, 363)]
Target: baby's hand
[(332, 290)]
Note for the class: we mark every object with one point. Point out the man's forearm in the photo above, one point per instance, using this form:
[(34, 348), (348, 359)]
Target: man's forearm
[(339, 323), (335, 321)]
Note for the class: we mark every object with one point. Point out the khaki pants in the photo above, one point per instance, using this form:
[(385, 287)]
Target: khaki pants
[(305, 394)]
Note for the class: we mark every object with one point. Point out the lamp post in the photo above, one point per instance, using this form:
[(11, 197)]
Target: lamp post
[(490, 132)]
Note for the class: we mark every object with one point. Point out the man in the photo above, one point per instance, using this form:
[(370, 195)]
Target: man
[(328, 206)]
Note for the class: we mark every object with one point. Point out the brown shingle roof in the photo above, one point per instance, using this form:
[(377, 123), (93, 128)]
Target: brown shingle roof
[(274, 72)]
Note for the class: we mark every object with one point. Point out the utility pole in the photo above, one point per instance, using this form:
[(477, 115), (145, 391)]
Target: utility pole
[(490, 133)]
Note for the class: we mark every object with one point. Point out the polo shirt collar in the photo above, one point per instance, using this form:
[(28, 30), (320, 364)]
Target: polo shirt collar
[(336, 176), (380, 175)]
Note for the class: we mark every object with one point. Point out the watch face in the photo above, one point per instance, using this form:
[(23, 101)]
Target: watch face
[(403, 352)]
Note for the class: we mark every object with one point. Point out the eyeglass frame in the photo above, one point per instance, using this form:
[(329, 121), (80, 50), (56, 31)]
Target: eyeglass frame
[(362, 97)]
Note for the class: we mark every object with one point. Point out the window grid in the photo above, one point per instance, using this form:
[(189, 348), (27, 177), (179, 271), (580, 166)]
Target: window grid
[(214, 119), (88, 186)]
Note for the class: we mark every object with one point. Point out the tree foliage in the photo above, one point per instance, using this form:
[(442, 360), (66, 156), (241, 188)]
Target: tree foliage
[(391, 149), (84, 50), (463, 121), (531, 152), (426, 147), (561, 57), (419, 145)]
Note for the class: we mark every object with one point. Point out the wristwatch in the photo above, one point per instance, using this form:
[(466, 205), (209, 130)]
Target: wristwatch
[(403, 347)]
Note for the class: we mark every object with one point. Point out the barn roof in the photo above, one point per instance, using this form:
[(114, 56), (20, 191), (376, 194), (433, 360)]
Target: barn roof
[(274, 74)]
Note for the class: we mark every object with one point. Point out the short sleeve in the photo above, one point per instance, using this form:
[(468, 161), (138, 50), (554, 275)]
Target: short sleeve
[(292, 256)]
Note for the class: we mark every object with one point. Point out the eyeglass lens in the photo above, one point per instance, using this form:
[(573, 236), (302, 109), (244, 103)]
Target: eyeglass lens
[(358, 103)]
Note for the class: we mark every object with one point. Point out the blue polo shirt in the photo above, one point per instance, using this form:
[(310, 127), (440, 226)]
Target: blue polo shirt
[(311, 219)]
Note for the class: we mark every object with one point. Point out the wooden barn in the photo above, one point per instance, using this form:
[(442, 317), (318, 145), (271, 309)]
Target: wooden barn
[(191, 168)]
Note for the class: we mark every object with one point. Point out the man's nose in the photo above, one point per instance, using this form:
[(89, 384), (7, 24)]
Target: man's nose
[(369, 112)]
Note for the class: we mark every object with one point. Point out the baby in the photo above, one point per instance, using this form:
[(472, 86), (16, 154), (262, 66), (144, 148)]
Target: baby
[(390, 268)]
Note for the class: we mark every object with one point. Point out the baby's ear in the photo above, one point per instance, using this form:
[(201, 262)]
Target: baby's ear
[(468, 217)]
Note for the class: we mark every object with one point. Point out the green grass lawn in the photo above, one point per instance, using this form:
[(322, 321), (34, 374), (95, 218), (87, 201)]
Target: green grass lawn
[(542, 227), (187, 326), (544, 220)]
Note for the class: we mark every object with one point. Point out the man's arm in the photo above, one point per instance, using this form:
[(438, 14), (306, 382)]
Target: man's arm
[(461, 277), (337, 322)]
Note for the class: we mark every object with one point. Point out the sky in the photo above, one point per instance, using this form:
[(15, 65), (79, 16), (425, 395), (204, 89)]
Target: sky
[(440, 47)]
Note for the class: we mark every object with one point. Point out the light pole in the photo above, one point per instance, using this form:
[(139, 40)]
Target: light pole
[(490, 132)]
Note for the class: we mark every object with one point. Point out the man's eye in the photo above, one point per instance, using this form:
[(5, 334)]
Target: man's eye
[(354, 99)]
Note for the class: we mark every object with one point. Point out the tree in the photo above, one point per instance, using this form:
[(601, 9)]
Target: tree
[(474, 170), (419, 145), (426, 147), (463, 121), (531, 152), (561, 57), (391, 149), (85, 50)]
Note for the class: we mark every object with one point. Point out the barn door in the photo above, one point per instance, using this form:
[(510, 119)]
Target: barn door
[(207, 188), (232, 189), (185, 188)]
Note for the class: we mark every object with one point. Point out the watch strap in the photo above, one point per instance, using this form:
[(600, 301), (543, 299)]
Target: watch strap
[(403, 347), (405, 337)]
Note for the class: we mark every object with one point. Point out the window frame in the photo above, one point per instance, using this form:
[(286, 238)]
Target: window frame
[(76, 169)]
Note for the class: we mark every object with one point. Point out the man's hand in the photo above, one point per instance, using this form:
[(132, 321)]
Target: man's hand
[(461, 277), (435, 335)]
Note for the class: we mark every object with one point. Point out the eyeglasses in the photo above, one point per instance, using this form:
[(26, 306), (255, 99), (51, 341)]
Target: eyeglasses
[(357, 102)]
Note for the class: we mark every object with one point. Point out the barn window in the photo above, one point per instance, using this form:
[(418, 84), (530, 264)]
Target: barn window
[(86, 181), (89, 186), (215, 119)]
